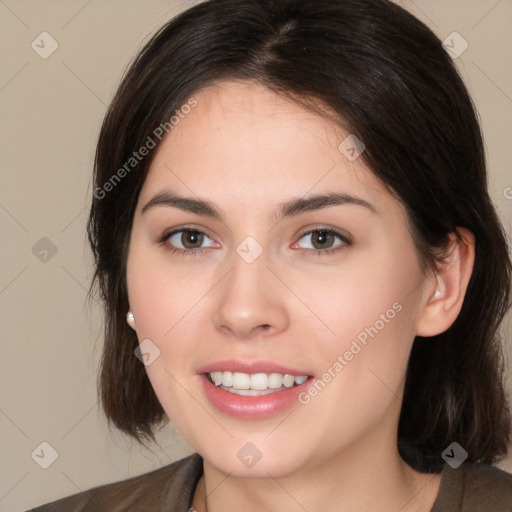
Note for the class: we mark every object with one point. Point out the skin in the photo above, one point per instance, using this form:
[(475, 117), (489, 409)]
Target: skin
[(247, 150)]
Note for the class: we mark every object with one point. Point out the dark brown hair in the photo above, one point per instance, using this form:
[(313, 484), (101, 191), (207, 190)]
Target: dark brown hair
[(391, 83)]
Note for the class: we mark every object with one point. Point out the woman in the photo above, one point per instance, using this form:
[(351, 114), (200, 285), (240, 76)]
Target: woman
[(301, 266)]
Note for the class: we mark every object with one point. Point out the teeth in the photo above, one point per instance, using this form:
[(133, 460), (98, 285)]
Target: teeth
[(238, 381), (227, 379), (275, 380), (258, 381), (241, 381), (288, 381), (217, 378)]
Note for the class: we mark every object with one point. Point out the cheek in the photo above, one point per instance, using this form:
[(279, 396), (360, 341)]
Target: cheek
[(364, 364), (367, 324), (161, 295), (375, 291), (165, 303)]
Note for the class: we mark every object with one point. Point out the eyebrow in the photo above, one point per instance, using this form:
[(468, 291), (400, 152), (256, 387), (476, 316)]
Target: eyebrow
[(188, 204), (289, 209)]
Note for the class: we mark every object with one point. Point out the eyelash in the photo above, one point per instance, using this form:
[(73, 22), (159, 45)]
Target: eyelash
[(326, 252), (187, 253)]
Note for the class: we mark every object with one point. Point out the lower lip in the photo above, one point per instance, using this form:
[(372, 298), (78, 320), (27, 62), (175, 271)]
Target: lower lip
[(252, 407)]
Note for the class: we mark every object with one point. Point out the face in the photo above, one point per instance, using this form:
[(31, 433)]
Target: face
[(267, 280)]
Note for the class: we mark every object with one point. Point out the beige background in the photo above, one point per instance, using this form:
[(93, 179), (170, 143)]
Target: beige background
[(51, 110)]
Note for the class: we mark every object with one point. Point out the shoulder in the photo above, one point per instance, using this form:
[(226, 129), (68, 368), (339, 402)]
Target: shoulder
[(473, 488), (170, 488)]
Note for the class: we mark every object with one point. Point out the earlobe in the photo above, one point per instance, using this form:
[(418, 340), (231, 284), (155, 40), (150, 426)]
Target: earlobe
[(446, 287)]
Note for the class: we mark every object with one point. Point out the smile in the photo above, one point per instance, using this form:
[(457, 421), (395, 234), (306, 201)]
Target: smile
[(253, 390), (256, 384)]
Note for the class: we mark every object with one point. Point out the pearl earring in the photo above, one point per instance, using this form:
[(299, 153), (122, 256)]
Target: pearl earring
[(130, 318)]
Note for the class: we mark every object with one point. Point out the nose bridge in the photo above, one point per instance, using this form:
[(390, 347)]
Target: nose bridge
[(248, 301)]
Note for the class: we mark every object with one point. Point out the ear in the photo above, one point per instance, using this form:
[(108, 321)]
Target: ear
[(446, 287)]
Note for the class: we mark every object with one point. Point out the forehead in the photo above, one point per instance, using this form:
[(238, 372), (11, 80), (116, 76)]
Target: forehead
[(244, 141)]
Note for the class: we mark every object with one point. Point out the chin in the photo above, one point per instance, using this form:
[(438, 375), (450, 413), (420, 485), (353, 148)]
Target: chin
[(249, 462)]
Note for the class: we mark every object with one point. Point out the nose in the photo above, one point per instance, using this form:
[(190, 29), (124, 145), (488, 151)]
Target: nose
[(250, 302)]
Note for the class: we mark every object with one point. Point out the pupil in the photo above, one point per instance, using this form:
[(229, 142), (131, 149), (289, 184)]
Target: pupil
[(191, 238)]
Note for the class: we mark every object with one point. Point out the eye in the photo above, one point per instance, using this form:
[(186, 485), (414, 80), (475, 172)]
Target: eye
[(187, 240), (323, 241)]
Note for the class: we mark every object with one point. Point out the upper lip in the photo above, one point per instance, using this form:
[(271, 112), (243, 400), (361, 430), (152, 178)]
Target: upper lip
[(251, 367)]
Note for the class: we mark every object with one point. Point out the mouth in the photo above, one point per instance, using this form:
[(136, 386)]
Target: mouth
[(253, 390), (255, 384)]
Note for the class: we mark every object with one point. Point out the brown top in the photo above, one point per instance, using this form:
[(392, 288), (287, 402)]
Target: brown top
[(469, 488)]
